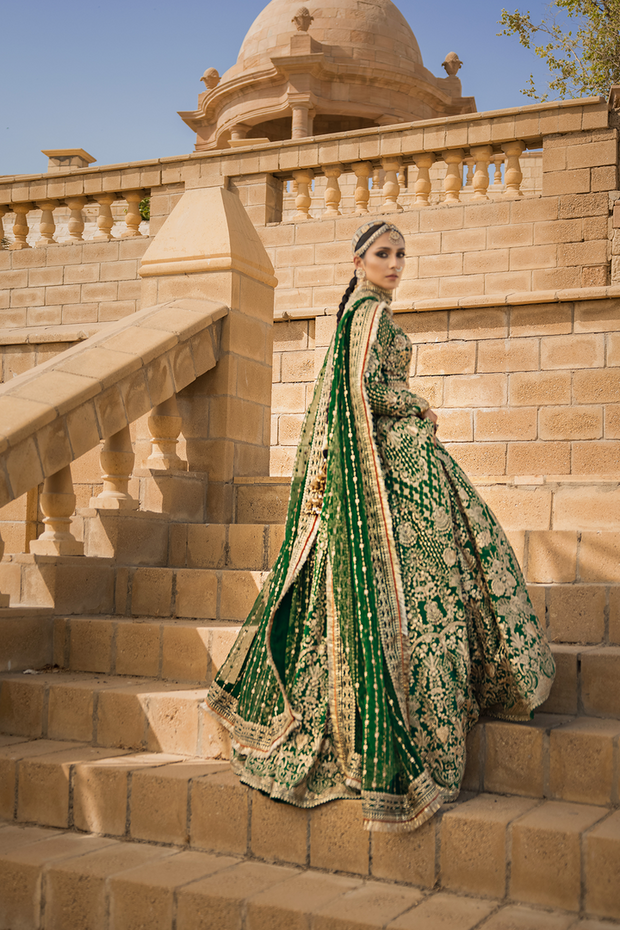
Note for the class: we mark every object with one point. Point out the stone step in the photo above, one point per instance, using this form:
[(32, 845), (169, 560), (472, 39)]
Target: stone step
[(143, 885), (26, 638), (111, 712), (557, 756), (511, 854)]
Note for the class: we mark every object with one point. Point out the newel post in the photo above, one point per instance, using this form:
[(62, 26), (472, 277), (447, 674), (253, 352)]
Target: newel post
[(209, 249)]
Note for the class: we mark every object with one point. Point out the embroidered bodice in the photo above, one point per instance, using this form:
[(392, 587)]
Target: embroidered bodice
[(387, 369)]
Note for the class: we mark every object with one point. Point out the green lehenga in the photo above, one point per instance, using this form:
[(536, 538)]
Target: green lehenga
[(395, 613)]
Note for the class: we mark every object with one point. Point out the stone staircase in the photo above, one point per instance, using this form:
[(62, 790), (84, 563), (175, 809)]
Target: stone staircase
[(118, 808)]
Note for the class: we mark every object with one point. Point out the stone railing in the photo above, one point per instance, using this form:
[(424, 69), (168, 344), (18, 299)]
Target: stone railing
[(476, 157), (72, 207), (143, 364), (57, 412)]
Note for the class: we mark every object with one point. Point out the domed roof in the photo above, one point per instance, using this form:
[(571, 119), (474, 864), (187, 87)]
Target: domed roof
[(369, 31)]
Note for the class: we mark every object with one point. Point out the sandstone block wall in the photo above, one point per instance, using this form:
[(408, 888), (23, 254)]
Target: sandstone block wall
[(83, 283), (520, 390)]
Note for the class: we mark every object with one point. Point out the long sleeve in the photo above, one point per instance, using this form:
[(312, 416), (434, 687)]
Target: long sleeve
[(386, 373)]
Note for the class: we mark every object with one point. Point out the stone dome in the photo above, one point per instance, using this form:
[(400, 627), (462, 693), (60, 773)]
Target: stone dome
[(312, 70), (369, 31)]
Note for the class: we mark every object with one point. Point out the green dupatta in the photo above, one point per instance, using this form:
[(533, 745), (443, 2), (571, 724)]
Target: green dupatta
[(366, 620)]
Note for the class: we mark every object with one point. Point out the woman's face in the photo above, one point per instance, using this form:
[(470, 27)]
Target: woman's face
[(383, 262)]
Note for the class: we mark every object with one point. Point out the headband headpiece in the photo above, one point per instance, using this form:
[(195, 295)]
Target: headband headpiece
[(369, 233)]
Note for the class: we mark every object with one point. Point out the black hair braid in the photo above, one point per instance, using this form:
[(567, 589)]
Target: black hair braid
[(345, 297)]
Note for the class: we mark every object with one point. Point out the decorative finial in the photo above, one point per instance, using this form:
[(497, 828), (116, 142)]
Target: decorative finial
[(302, 19), (210, 78), (452, 64)]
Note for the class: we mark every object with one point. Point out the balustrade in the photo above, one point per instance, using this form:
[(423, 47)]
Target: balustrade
[(380, 185), (75, 225)]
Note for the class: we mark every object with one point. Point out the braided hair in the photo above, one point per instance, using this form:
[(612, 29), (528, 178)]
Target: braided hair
[(359, 250), (345, 297)]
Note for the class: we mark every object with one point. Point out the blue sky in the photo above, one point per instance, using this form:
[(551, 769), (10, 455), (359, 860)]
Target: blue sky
[(110, 76)]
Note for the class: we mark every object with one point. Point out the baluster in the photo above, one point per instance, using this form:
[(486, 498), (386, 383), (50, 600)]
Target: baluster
[(482, 156), (4, 598), (362, 171), (105, 220), (165, 424), (376, 178), (402, 179), (133, 219), (513, 174), (333, 194), (422, 186), (3, 212), (453, 180), (76, 220), (57, 505), (498, 184), (47, 226), (303, 200), (20, 226), (391, 187), (469, 163), (117, 460)]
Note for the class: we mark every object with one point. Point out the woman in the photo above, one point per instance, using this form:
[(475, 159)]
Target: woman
[(396, 611)]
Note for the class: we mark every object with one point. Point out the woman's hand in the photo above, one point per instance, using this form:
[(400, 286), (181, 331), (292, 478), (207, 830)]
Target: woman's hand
[(432, 416)]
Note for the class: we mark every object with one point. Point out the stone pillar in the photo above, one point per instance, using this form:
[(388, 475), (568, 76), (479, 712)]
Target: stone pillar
[(208, 248), (300, 122)]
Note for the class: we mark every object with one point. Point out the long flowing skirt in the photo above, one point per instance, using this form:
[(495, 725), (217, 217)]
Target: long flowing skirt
[(474, 642)]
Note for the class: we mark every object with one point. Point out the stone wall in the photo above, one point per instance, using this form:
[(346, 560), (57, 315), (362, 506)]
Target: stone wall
[(84, 283), (520, 390)]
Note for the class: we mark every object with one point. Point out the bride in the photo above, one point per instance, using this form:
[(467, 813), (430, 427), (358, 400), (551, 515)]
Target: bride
[(396, 612)]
